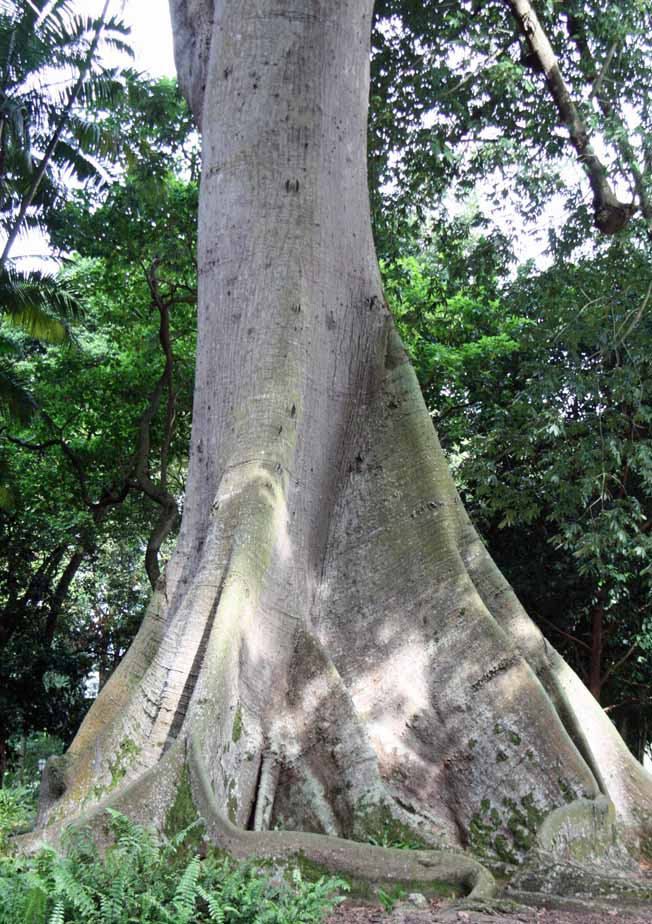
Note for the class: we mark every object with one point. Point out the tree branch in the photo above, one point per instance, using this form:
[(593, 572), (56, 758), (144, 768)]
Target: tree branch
[(566, 635), (610, 111), (158, 493), (615, 667), (610, 215)]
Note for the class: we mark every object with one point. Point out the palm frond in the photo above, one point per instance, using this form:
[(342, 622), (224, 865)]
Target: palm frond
[(39, 304)]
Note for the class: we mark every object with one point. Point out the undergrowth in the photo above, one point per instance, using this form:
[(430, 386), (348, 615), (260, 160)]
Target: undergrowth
[(17, 808), (141, 880)]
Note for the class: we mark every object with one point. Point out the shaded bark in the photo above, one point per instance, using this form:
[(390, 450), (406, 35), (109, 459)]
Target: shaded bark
[(331, 648)]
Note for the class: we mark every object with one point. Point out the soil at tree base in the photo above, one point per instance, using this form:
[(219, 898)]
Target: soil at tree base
[(438, 912)]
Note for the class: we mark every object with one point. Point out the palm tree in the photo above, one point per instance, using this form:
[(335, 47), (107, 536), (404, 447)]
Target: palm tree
[(49, 70), (50, 81)]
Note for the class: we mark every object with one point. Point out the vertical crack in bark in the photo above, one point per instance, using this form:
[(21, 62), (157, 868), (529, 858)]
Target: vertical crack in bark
[(198, 660)]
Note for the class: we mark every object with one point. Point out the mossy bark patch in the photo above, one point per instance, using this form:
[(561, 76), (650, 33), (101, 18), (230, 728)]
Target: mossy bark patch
[(183, 817), (236, 731), (506, 833)]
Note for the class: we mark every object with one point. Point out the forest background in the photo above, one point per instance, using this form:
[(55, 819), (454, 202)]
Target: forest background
[(529, 328)]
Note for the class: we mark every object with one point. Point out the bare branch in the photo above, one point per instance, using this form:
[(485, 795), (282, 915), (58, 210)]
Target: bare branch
[(610, 214)]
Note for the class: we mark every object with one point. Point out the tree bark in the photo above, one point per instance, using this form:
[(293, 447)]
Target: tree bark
[(330, 649)]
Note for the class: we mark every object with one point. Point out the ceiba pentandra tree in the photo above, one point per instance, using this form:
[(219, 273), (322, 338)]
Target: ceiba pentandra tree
[(331, 648)]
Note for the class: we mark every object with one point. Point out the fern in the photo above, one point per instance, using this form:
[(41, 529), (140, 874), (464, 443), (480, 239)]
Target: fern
[(186, 894), (57, 916), (140, 880)]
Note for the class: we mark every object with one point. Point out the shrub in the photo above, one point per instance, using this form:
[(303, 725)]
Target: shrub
[(140, 880), (17, 806)]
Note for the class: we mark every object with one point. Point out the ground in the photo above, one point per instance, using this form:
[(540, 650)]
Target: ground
[(438, 912), (416, 909)]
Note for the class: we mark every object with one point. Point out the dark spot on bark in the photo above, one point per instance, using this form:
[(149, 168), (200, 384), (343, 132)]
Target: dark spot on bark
[(227, 72), (296, 308), (228, 292), (293, 411), (331, 324), (503, 665), (255, 86), (279, 467), (280, 429), (292, 186), (250, 331)]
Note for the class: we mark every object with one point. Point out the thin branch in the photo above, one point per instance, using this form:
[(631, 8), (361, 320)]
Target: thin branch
[(596, 89), (615, 667), (566, 635)]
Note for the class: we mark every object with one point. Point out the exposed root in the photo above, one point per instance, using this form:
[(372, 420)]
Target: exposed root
[(270, 769), (490, 906), (373, 865)]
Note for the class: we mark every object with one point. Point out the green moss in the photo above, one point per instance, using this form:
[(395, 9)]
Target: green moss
[(567, 791), (505, 834), (646, 847), (236, 731), (472, 743), (376, 825), (182, 816), (498, 729), (124, 759), (514, 738), (501, 757), (366, 890)]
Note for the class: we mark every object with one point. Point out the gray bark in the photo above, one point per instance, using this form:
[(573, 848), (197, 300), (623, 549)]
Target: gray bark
[(331, 648)]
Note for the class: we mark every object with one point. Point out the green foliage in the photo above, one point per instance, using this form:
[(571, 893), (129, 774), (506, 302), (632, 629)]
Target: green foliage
[(41, 306), (17, 805), (29, 754), (458, 107), (44, 47), (71, 465), (540, 389), (389, 899), (139, 879)]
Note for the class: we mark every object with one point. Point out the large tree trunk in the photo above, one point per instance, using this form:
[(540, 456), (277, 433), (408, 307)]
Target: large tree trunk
[(331, 648)]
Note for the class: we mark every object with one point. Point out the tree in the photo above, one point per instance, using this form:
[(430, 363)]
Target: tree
[(538, 386), (331, 647), (98, 469), (50, 65)]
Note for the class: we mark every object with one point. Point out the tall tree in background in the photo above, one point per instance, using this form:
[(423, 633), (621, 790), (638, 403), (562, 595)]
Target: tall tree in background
[(331, 646)]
